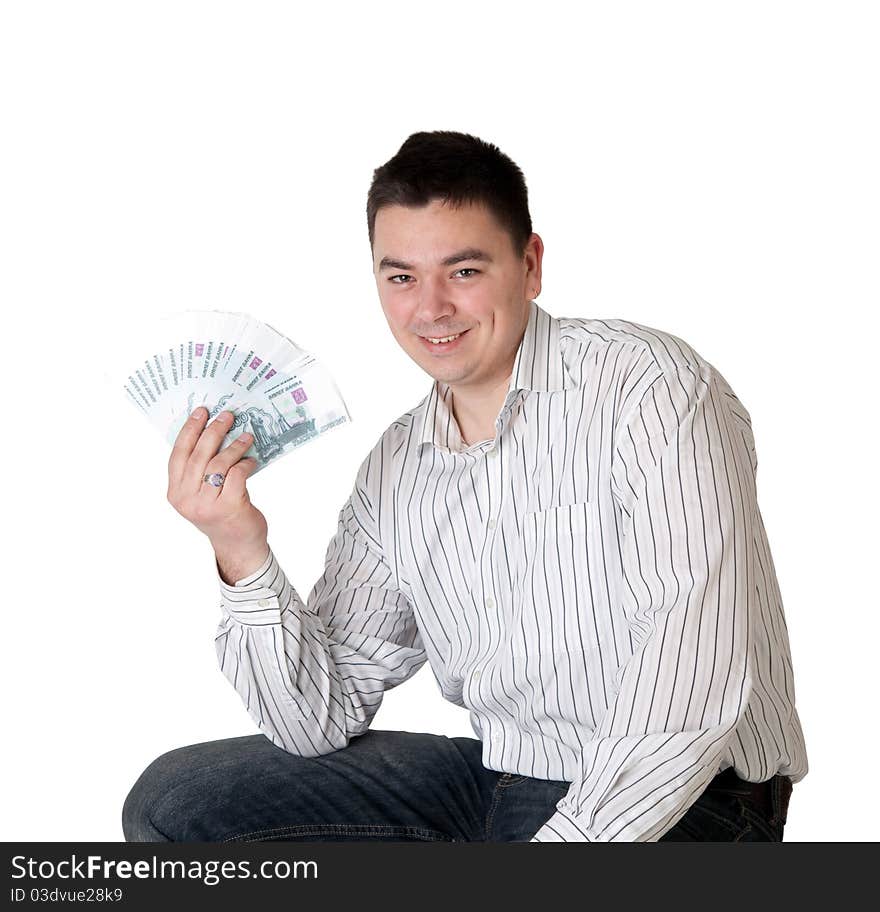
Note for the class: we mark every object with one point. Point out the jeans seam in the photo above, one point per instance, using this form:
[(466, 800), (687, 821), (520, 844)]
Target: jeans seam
[(318, 829), (153, 825), (496, 800), (725, 821), (512, 780)]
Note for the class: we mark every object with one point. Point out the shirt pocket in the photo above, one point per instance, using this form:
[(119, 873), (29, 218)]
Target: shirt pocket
[(562, 611)]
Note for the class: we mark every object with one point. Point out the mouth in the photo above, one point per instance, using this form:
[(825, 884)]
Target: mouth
[(440, 344)]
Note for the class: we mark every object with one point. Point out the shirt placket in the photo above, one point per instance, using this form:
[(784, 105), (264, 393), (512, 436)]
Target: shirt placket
[(486, 578)]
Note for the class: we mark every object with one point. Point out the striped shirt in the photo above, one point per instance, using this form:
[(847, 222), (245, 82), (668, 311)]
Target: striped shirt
[(594, 584)]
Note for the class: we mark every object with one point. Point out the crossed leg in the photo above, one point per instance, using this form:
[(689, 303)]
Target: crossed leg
[(384, 785)]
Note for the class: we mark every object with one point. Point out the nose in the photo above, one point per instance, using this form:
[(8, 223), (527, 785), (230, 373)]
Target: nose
[(435, 301)]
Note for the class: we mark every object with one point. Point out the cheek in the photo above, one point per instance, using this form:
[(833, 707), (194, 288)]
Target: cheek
[(395, 314)]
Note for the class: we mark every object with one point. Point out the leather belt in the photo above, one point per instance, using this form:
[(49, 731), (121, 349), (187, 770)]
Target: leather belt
[(771, 796)]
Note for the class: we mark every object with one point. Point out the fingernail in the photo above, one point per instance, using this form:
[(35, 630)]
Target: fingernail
[(198, 413)]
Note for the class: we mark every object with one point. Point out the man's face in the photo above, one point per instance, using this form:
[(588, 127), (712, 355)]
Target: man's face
[(444, 271)]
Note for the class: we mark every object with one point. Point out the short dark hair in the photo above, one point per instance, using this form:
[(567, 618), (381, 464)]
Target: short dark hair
[(459, 169)]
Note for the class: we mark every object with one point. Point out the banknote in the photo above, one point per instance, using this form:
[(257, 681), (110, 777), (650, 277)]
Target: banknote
[(228, 361)]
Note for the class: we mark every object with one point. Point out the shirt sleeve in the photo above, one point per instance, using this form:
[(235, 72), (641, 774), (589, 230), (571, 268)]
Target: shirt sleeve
[(683, 477), (313, 674)]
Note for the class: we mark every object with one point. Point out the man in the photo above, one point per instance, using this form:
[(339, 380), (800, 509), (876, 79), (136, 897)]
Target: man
[(565, 528)]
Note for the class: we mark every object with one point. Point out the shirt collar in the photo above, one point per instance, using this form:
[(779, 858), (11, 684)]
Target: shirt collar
[(538, 367)]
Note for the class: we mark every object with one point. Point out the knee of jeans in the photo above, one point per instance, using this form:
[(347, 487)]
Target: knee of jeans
[(138, 822)]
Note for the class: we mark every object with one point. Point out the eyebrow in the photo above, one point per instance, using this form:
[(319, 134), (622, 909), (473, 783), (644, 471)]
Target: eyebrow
[(469, 253)]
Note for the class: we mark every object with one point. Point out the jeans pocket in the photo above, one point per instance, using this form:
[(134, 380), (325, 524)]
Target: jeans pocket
[(715, 816), (764, 830)]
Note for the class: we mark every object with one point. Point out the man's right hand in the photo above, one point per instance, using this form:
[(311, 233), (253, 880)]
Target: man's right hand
[(236, 528)]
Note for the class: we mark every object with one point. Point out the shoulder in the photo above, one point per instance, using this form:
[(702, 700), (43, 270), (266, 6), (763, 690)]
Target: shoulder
[(651, 361), (655, 348)]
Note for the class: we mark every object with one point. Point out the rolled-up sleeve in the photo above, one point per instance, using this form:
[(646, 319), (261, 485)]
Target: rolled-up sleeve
[(683, 476)]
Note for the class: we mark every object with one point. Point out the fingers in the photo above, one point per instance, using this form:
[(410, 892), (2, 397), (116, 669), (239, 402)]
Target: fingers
[(223, 461), (183, 447), (206, 448), (234, 488), (195, 446)]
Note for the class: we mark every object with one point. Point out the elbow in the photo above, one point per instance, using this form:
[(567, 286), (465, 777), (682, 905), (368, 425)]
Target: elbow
[(304, 738)]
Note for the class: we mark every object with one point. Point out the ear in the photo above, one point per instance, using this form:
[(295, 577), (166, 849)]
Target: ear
[(533, 255)]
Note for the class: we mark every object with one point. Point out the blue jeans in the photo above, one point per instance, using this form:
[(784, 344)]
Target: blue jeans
[(385, 785)]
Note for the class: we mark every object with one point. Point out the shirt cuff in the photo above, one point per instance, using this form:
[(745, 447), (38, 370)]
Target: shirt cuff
[(254, 599), (564, 826)]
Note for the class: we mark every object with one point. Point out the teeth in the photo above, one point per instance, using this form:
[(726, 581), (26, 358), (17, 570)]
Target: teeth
[(444, 339)]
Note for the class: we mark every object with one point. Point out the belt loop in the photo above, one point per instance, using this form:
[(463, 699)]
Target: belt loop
[(776, 799), (781, 794)]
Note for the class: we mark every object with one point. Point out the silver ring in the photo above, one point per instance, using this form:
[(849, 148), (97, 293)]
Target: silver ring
[(216, 479)]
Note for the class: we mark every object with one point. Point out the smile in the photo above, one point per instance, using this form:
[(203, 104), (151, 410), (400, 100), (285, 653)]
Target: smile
[(443, 343)]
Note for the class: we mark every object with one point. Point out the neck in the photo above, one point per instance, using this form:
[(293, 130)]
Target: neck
[(475, 410)]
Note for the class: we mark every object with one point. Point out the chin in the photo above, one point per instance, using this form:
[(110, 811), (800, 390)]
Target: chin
[(446, 372), (432, 371)]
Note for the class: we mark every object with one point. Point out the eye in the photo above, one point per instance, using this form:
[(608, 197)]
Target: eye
[(393, 278), (468, 269)]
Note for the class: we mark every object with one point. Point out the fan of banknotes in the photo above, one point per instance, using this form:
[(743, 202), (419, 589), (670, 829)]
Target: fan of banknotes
[(228, 361)]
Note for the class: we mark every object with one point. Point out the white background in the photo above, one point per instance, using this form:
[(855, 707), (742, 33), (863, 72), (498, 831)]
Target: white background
[(705, 168)]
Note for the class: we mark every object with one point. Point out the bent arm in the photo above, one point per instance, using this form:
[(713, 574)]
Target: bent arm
[(313, 674)]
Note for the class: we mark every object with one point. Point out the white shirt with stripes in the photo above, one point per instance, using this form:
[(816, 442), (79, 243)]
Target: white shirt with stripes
[(594, 584)]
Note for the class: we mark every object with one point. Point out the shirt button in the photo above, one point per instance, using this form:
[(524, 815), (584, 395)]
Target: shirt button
[(490, 602), (476, 675), (496, 736), (493, 451), (263, 603), (492, 523)]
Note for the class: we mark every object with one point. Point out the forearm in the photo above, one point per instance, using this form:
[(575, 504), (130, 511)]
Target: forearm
[(310, 684), (264, 645)]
